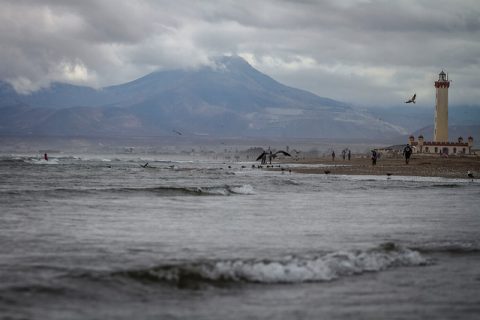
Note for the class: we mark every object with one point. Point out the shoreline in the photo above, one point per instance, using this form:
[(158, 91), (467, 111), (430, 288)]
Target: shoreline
[(423, 166)]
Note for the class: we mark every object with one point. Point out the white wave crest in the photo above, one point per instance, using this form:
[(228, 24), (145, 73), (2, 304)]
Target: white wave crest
[(243, 189), (294, 269), (42, 161), (324, 268), (225, 190)]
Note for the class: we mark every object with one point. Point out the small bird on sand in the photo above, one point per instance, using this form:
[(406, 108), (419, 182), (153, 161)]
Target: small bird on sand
[(412, 99), (327, 171), (470, 175)]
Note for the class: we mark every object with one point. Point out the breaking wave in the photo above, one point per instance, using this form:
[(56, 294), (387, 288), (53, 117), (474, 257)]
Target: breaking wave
[(224, 190), (458, 247), (294, 269)]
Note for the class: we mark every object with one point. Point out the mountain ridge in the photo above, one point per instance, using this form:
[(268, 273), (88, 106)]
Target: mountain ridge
[(227, 98)]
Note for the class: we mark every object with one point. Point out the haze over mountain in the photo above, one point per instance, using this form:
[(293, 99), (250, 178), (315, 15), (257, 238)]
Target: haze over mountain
[(226, 98), (463, 121)]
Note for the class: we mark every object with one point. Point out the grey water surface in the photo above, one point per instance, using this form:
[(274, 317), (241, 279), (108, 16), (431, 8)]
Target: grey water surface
[(99, 237)]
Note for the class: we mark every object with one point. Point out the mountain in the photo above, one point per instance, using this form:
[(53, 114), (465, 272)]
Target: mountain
[(227, 98)]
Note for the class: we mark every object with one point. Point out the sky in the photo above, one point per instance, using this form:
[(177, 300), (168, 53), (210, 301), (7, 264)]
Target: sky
[(365, 52)]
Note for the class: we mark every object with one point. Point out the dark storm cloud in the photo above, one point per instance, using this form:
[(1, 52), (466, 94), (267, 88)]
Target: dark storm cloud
[(364, 52)]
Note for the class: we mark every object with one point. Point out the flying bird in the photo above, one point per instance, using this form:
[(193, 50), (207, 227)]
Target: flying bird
[(412, 99), (282, 152), (271, 155), (177, 132)]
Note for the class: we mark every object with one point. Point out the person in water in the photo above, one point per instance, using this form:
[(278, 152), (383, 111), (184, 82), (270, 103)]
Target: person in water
[(45, 156), (407, 152)]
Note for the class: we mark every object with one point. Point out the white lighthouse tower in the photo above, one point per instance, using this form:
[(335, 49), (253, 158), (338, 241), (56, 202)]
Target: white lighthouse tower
[(440, 144), (441, 108)]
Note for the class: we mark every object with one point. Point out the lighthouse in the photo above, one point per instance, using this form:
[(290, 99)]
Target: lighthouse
[(440, 133), (440, 144)]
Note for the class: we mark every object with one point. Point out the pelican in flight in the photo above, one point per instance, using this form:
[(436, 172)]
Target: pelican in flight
[(412, 99), (271, 155)]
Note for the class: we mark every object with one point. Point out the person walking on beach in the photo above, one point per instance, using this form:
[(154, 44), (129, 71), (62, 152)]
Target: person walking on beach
[(349, 155), (374, 157), (407, 152), (333, 155), (344, 152)]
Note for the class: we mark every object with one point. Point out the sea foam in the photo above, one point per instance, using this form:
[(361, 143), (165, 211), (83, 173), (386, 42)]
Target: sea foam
[(294, 269)]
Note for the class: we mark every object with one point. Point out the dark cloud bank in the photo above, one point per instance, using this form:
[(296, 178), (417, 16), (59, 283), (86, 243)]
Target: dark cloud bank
[(363, 52)]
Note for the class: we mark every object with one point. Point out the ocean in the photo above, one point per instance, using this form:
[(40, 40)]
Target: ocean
[(101, 237)]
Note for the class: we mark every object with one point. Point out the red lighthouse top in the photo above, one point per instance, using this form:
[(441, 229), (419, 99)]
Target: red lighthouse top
[(443, 81)]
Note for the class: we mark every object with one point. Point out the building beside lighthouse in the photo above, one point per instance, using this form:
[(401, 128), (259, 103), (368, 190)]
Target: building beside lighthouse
[(444, 148), (440, 143)]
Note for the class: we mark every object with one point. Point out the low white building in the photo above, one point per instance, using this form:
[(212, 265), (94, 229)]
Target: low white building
[(460, 147)]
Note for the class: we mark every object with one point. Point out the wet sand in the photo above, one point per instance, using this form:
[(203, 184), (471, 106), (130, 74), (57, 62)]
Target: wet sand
[(419, 165)]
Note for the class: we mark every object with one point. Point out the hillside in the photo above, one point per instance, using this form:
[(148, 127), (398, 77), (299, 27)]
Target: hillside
[(227, 98)]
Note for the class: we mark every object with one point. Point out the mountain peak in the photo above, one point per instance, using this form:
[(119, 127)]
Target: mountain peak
[(233, 60), (228, 97), (231, 64)]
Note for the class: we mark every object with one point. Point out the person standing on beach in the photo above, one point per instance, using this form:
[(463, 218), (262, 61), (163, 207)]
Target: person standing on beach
[(374, 157), (333, 155), (349, 155), (407, 152)]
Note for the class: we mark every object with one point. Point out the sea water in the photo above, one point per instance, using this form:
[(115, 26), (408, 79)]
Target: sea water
[(97, 237)]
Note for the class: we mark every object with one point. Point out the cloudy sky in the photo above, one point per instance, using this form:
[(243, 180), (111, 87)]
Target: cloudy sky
[(368, 53)]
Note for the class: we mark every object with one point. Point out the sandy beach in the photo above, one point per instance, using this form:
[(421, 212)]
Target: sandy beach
[(427, 166)]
